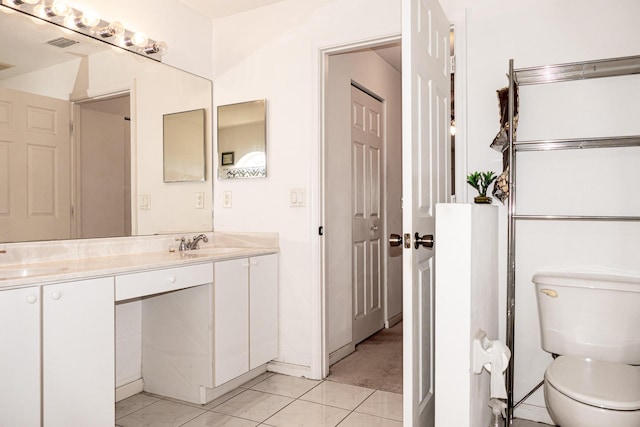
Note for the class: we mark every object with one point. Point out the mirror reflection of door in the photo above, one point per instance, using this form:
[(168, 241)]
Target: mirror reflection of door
[(242, 140), (103, 168), (34, 167)]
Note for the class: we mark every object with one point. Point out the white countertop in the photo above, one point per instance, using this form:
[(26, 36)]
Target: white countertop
[(81, 268)]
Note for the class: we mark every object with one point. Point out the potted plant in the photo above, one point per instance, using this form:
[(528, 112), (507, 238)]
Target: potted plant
[(481, 182)]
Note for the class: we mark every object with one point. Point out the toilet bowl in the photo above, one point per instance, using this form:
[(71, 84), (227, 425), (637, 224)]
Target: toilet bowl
[(582, 392), (592, 320)]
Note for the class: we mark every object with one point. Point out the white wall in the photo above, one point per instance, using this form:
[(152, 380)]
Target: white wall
[(274, 53)]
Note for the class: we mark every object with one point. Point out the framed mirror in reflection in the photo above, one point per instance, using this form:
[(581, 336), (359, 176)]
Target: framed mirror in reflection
[(184, 148), (242, 141), (103, 176)]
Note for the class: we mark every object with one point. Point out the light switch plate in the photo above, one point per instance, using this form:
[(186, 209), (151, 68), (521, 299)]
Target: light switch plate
[(297, 198), (145, 202), (226, 199)]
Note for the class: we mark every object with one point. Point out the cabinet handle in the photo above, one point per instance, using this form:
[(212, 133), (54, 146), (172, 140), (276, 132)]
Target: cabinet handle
[(56, 295), (31, 298), (172, 279)]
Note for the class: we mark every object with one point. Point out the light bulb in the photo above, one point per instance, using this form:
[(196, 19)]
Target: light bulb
[(58, 8), (113, 29), (139, 39), (160, 48), (39, 11), (88, 19)]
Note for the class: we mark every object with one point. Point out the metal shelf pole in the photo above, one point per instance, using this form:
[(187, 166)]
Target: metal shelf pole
[(511, 259)]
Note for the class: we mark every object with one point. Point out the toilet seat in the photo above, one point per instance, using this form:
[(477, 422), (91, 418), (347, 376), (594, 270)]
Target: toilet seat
[(607, 385)]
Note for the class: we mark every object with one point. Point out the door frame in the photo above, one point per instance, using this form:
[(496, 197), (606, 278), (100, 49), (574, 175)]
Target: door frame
[(324, 76)]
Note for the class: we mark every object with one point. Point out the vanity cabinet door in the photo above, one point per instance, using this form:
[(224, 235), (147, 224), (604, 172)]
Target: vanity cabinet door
[(20, 357), (263, 311), (231, 319), (78, 362)]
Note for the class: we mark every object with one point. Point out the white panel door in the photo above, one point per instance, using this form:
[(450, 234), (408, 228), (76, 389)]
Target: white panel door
[(425, 163), (35, 195), (263, 309), (78, 353), (231, 319), (367, 184), (20, 357)]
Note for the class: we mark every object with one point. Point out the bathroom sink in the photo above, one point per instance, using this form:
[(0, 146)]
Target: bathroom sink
[(17, 273)]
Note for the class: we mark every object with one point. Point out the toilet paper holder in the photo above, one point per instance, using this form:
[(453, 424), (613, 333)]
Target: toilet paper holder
[(482, 353)]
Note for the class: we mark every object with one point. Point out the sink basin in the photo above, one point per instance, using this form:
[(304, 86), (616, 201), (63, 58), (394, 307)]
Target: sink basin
[(17, 273)]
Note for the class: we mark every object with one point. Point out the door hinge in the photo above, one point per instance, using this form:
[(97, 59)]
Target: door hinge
[(452, 64)]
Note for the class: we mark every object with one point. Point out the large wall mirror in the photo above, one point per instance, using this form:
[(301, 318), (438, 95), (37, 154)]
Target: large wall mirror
[(103, 176), (242, 140)]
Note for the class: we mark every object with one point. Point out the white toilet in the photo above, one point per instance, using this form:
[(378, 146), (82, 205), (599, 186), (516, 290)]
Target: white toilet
[(592, 321)]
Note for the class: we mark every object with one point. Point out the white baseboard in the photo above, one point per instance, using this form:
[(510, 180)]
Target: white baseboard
[(290, 369), (393, 321), (533, 413), (129, 389), (341, 353)]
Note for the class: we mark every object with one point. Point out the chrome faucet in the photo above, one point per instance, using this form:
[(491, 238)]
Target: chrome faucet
[(193, 244)]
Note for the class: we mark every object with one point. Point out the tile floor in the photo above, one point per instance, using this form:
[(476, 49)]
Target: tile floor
[(274, 400), (270, 400)]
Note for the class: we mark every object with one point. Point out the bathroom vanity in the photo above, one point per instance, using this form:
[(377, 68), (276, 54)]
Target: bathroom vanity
[(208, 316)]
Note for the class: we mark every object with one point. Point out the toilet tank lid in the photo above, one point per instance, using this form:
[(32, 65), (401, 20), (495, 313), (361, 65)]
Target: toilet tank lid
[(603, 384), (589, 279)]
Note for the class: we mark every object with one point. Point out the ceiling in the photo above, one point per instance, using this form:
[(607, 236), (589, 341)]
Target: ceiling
[(220, 8)]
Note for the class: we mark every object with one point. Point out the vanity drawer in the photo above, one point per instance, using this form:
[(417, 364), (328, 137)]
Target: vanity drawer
[(167, 279)]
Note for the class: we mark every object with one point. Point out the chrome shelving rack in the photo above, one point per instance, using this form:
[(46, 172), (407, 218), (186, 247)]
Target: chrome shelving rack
[(540, 75)]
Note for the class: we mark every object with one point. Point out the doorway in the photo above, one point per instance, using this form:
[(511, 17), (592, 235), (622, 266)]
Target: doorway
[(359, 214), (102, 153), (339, 339)]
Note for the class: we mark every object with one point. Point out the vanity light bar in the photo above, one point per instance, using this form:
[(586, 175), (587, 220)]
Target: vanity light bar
[(89, 23)]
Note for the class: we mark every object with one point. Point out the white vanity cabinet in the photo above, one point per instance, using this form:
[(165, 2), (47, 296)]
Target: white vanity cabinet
[(61, 365), (20, 357), (225, 324), (246, 315)]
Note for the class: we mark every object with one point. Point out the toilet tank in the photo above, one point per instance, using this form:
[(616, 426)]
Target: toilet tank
[(594, 315)]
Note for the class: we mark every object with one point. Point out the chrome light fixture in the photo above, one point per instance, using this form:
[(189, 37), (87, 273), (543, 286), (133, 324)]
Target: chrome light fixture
[(89, 23)]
